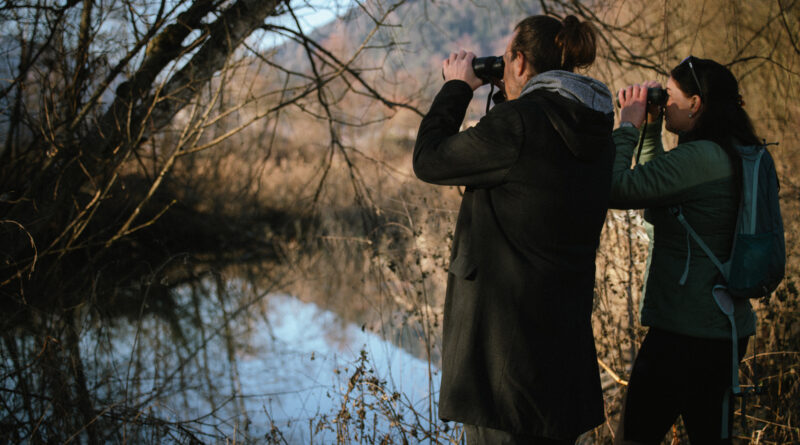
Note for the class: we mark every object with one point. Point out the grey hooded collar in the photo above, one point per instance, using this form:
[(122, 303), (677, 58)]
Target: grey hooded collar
[(590, 92)]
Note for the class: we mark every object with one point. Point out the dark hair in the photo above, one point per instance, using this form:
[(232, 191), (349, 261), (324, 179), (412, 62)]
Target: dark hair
[(550, 44), (722, 120)]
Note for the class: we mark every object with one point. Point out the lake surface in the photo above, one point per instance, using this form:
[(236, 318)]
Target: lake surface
[(287, 372)]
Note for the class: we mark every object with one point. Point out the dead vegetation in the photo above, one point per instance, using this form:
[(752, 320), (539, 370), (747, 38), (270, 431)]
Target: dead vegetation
[(136, 193)]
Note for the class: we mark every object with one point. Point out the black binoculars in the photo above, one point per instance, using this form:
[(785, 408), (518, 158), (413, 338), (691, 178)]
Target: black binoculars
[(655, 96), (488, 68)]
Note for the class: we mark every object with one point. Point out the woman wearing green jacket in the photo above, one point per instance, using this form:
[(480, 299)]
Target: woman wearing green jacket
[(684, 364)]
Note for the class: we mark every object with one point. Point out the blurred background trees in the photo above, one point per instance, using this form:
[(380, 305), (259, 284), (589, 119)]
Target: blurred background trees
[(153, 152)]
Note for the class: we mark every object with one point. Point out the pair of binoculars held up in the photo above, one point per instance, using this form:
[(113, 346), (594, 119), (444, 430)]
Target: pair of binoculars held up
[(488, 68), (655, 96)]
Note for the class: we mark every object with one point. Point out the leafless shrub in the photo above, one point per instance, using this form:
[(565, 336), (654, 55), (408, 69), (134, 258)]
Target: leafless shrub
[(150, 150)]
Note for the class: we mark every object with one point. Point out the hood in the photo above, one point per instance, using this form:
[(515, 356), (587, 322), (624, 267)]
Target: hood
[(580, 109), (590, 92)]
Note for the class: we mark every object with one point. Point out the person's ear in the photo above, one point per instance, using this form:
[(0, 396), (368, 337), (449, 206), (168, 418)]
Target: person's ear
[(521, 64), (695, 103)]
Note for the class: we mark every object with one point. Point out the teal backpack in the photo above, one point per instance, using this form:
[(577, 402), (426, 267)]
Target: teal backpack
[(758, 256)]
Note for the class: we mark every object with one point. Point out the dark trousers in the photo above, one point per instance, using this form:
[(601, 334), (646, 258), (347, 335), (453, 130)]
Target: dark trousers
[(478, 435), (679, 375)]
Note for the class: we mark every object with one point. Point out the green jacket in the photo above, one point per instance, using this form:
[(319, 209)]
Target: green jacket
[(697, 176)]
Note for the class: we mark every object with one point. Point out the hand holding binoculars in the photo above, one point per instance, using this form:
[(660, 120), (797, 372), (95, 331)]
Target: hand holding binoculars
[(655, 96), (488, 68)]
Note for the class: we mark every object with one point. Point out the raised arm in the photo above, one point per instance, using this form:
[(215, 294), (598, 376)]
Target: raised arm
[(480, 156)]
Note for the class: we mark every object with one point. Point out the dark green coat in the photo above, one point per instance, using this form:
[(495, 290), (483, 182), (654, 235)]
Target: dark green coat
[(518, 350), (697, 176)]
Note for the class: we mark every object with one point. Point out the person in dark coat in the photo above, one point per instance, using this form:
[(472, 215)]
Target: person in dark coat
[(518, 357)]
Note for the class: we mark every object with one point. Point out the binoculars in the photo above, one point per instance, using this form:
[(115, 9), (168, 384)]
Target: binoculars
[(488, 68), (655, 96)]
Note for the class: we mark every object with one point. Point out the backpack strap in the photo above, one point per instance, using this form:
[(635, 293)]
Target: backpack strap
[(724, 301), (685, 274), (754, 191), (723, 269)]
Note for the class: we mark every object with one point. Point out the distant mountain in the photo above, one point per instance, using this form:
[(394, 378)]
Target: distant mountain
[(428, 31)]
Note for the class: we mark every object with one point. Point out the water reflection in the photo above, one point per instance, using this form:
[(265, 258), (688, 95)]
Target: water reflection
[(310, 353), (275, 370)]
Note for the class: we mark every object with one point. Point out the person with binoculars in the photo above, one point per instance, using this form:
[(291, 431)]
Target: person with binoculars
[(518, 358), (684, 364)]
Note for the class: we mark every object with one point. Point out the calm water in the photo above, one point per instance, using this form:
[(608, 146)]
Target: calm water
[(282, 369)]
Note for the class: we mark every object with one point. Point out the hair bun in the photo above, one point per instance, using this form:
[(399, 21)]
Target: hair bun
[(549, 43), (570, 21), (577, 42)]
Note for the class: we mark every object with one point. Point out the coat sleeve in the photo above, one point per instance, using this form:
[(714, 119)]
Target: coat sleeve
[(480, 156), (662, 179)]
